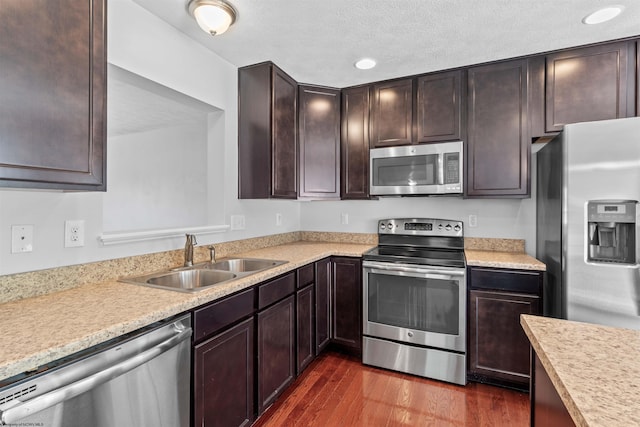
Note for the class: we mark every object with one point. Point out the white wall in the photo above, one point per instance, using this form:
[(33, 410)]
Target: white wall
[(503, 218), (143, 44)]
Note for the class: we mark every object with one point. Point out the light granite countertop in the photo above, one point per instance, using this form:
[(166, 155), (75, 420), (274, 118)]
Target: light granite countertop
[(41, 329), (595, 369), (502, 259)]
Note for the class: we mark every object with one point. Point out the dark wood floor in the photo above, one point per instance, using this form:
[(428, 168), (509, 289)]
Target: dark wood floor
[(337, 390)]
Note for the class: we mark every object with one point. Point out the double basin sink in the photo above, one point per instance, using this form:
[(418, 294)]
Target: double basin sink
[(204, 275)]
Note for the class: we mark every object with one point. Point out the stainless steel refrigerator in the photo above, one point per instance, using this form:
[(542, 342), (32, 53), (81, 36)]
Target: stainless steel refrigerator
[(588, 188)]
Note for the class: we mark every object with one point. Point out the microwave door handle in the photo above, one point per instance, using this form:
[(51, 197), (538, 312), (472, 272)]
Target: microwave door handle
[(441, 169)]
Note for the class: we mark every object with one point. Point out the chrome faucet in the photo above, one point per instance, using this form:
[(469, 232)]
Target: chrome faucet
[(188, 249), (212, 253)]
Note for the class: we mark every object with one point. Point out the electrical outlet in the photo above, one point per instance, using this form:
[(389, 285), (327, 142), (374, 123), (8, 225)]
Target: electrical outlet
[(473, 220), (344, 218), (21, 238), (74, 233), (278, 219)]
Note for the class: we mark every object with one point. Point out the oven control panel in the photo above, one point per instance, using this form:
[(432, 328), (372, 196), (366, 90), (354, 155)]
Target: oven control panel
[(421, 226)]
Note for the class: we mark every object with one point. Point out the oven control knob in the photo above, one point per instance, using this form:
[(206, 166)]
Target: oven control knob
[(382, 226), (410, 334), (448, 227), (457, 227), (439, 226)]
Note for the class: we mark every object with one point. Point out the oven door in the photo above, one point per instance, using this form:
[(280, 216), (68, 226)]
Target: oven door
[(421, 305)]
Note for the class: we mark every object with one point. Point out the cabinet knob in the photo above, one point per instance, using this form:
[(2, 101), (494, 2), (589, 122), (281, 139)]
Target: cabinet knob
[(410, 334)]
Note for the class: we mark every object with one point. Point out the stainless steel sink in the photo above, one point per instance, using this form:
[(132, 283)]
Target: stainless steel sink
[(243, 265), (203, 275)]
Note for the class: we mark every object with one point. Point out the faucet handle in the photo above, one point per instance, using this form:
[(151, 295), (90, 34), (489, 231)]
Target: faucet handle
[(212, 253)]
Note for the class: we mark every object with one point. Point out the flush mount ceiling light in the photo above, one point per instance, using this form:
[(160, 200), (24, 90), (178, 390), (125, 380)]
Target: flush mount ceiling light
[(602, 15), (213, 16), (365, 64)]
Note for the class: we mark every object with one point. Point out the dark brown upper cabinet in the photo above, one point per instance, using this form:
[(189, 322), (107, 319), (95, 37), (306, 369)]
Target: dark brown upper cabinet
[(439, 107), (319, 134), (354, 180), (53, 94), (588, 84), (498, 148), (267, 133), (392, 113)]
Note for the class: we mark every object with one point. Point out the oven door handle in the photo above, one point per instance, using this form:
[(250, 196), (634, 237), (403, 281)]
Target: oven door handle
[(429, 273)]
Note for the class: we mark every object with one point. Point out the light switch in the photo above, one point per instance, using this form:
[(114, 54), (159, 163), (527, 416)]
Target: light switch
[(237, 222)]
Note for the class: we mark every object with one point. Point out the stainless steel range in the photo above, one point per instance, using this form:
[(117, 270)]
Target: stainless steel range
[(415, 299)]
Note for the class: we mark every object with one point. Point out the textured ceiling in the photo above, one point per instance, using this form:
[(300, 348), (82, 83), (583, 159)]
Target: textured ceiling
[(317, 41)]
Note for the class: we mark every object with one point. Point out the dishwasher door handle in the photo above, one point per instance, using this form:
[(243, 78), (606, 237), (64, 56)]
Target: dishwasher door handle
[(37, 404)]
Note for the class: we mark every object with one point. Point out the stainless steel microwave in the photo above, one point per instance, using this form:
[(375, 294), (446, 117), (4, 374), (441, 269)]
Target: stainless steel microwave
[(424, 169)]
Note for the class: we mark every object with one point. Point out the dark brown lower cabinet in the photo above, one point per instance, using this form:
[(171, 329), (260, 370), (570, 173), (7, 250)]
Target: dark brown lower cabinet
[(498, 351), (244, 360), (224, 378), (346, 298), (305, 327), (547, 409), (323, 306), (276, 351)]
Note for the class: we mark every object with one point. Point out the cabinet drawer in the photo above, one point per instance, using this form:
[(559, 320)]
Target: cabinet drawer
[(505, 280), (305, 275), (276, 290), (214, 317)]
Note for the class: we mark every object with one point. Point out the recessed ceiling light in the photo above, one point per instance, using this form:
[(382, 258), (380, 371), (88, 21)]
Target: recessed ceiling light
[(365, 64), (603, 15)]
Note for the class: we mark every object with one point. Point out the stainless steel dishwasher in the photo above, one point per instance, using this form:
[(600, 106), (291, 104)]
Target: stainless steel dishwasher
[(142, 379)]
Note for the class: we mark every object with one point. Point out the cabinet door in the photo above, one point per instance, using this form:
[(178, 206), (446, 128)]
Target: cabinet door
[(498, 347), (355, 143), (276, 351), (547, 408), (392, 113), (347, 303), (319, 133), (306, 348), (284, 154), (593, 83), (223, 378), (498, 151), (53, 94), (254, 132), (439, 107), (323, 306)]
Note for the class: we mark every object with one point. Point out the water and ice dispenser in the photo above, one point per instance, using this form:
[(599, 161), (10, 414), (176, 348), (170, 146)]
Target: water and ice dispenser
[(611, 231)]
